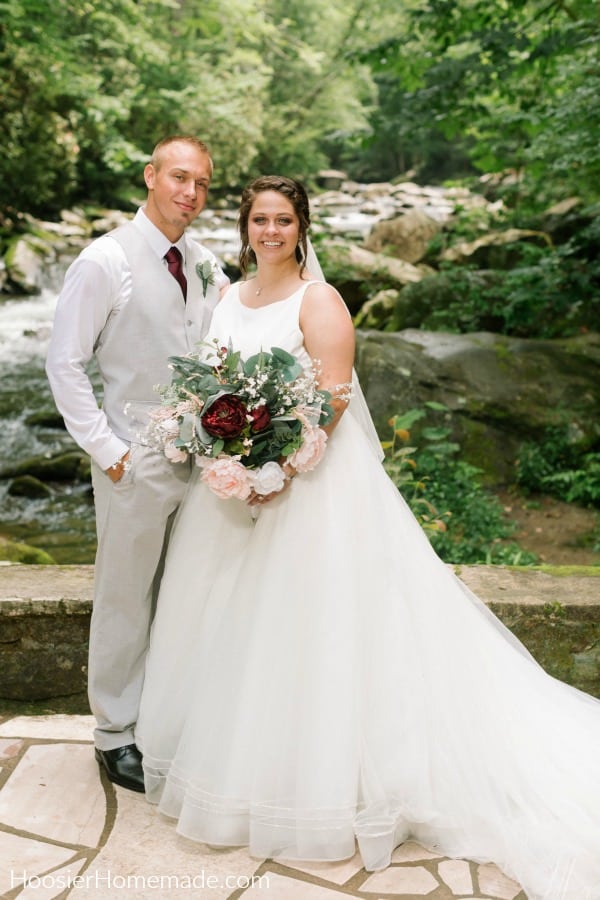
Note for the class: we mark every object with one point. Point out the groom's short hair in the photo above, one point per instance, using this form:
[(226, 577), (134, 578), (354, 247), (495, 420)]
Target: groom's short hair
[(156, 160)]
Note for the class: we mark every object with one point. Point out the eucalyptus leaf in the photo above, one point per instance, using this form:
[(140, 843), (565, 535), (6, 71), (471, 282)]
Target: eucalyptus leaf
[(203, 435), (283, 356), (186, 427)]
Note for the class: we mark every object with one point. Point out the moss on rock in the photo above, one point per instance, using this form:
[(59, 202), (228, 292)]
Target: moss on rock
[(16, 552)]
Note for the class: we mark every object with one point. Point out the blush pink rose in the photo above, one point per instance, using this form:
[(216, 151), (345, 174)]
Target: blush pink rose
[(311, 452), (174, 454), (227, 478)]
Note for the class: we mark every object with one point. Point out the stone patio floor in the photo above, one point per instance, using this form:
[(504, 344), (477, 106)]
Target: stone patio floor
[(66, 832)]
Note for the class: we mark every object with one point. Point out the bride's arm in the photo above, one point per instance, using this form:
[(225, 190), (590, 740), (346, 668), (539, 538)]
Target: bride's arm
[(329, 339)]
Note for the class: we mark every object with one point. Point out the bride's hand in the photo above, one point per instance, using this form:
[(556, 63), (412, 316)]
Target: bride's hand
[(260, 499)]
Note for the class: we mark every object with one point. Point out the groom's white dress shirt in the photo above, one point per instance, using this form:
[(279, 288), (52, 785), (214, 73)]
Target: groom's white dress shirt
[(97, 285)]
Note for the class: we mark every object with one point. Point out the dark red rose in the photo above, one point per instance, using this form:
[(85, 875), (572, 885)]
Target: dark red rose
[(260, 418), (226, 417)]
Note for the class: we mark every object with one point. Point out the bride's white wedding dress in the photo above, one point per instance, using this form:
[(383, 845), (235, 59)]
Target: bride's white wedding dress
[(319, 675)]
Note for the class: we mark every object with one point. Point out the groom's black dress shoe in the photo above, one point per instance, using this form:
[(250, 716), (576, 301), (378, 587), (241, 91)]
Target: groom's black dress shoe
[(123, 766)]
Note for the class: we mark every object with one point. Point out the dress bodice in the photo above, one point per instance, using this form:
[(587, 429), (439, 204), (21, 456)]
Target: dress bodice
[(250, 329)]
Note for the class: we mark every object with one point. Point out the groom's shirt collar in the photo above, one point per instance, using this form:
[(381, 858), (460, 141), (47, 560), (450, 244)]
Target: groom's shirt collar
[(154, 236)]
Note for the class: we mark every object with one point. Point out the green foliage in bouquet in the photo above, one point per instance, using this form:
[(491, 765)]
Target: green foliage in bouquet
[(255, 409)]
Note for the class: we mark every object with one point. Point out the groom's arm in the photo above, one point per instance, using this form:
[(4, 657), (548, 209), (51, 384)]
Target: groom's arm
[(93, 285)]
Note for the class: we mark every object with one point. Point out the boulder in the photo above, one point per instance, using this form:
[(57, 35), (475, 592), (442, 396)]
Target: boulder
[(351, 267), (499, 391), (24, 265), (379, 310), (415, 305), (567, 219), (405, 237), (331, 179), (497, 250)]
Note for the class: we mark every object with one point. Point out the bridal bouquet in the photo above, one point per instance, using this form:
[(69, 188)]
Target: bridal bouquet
[(241, 419)]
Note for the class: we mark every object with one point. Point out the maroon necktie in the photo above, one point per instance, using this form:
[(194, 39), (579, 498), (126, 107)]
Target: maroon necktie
[(174, 262)]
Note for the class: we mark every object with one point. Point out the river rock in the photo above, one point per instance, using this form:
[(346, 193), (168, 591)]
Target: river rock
[(67, 231), (436, 202), (71, 466), (25, 260), (569, 218), (356, 267), (331, 179), (499, 391), (28, 486), (379, 310), (17, 552), (415, 305), (497, 250), (46, 419), (110, 220), (405, 237), (75, 218)]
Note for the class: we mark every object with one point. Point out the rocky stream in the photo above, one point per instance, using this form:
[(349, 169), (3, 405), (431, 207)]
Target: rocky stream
[(374, 241)]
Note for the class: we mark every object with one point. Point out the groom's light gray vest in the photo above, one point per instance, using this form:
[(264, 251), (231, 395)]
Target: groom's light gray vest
[(133, 348)]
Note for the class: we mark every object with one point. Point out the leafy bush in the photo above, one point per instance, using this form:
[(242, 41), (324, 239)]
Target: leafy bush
[(536, 291), (464, 522), (549, 293), (560, 467)]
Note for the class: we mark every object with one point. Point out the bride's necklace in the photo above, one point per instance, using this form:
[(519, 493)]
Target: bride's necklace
[(280, 285)]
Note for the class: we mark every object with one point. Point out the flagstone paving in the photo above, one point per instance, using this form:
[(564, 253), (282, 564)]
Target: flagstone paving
[(67, 832)]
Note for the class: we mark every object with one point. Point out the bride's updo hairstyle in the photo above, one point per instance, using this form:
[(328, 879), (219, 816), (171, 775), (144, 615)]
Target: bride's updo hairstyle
[(295, 193)]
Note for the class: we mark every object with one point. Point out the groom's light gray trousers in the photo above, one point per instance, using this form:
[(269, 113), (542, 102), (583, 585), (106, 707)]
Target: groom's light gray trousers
[(133, 521)]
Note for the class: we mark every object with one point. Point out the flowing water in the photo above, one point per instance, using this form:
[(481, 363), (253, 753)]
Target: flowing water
[(62, 524)]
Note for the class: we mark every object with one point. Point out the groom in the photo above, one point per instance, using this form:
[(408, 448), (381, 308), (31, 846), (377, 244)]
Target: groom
[(134, 297)]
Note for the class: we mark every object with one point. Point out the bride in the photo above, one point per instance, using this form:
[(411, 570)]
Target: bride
[(317, 676)]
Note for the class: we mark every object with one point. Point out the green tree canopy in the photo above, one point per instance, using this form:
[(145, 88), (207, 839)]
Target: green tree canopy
[(438, 86)]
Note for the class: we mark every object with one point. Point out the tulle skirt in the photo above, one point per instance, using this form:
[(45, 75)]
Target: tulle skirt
[(318, 676)]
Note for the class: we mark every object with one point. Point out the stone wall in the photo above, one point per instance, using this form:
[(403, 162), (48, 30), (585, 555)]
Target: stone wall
[(45, 613), (44, 624)]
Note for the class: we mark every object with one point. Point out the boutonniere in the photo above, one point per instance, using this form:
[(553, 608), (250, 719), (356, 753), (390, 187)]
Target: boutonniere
[(206, 273)]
